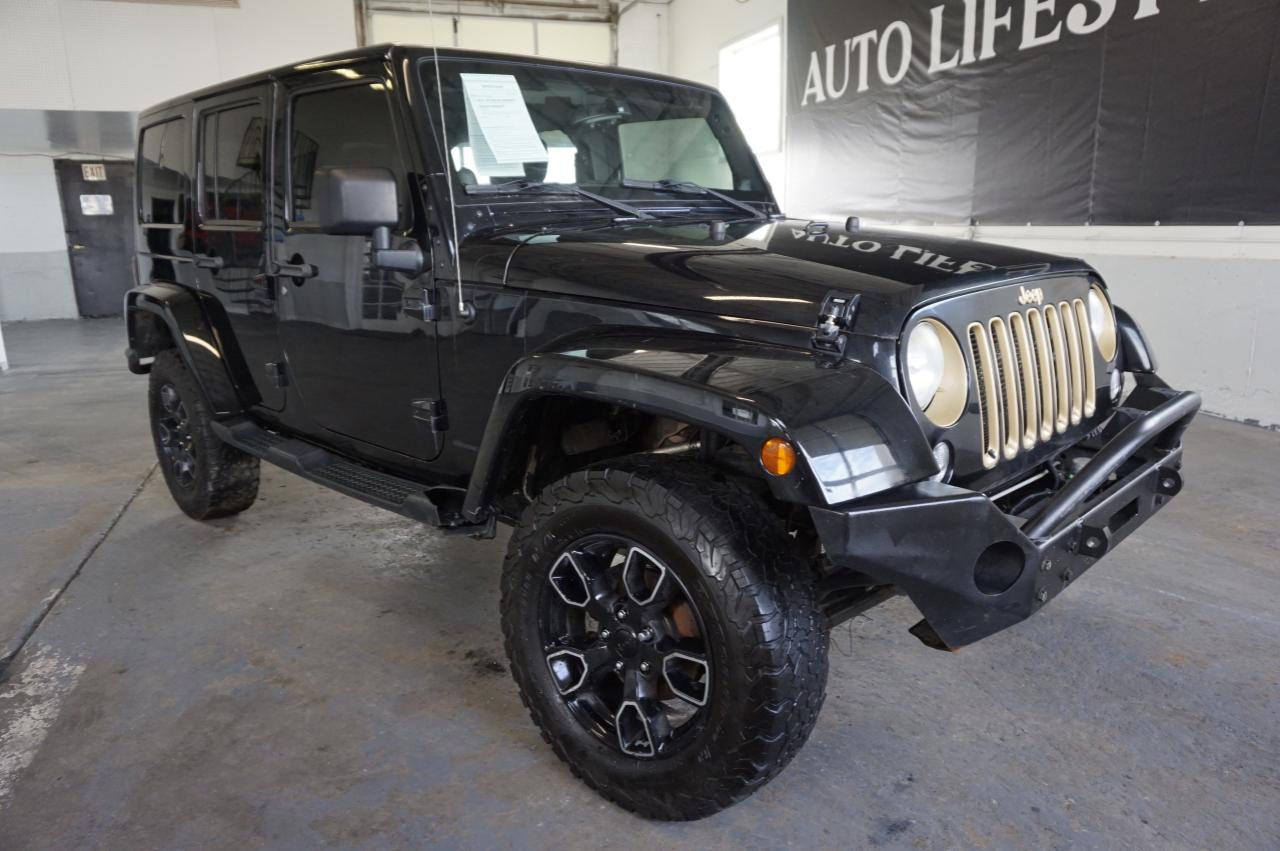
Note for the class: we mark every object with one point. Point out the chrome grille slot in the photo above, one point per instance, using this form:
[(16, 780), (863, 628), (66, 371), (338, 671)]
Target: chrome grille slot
[(1086, 357), (1073, 357), (1010, 425), (988, 393), (1061, 375), (1044, 375), (1034, 376), (1024, 365)]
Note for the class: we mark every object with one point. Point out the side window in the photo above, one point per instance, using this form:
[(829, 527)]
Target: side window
[(231, 162), (347, 126), (675, 148), (164, 172)]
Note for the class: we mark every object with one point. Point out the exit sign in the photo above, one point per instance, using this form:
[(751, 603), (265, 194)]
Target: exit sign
[(94, 171)]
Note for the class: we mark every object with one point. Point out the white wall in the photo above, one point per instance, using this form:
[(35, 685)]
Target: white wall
[(576, 41), (644, 38), (121, 56), (96, 54), (35, 274), (699, 28)]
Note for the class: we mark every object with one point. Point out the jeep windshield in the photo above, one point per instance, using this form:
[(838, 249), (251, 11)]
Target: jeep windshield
[(517, 132)]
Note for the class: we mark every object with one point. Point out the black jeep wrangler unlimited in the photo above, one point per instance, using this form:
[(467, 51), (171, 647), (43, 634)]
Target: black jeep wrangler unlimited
[(475, 289)]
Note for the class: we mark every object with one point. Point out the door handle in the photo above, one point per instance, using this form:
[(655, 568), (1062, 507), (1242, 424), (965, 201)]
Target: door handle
[(207, 261), (298, 271), (77, 247)]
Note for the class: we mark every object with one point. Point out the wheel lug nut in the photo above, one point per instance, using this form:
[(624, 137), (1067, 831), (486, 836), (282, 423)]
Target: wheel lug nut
[(645, 634), (604, 634), (619, 666), (645, 667), (621, 612)]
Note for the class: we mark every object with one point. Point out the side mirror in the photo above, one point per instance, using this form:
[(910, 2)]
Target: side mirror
[(355, 201), (364, 202)]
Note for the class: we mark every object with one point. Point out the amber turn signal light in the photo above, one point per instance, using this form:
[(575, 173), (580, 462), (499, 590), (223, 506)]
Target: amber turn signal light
[(777, 456)]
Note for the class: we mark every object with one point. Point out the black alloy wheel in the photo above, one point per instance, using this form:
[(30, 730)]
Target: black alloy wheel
[(663, 631), (206, 477), (625, 645), (174, 438)]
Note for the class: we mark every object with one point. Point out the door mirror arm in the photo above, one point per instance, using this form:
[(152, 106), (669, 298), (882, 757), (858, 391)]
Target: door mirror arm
[(353, 201), (382, 256)]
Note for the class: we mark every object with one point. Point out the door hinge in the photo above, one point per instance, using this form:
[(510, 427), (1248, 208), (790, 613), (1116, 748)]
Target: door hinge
[(423, 307), (278, 374), (430, 312), (431, 413)]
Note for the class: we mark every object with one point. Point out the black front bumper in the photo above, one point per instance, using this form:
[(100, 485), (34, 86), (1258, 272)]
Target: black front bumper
[(973, 570)]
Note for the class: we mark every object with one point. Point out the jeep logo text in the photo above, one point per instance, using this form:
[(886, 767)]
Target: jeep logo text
[(1035, 295)]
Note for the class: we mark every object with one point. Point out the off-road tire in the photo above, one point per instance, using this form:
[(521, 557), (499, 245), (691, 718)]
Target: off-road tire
[(224, 480), (755, 595)]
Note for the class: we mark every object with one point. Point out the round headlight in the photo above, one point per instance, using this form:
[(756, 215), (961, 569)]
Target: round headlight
[(1102, 322), (924, 362), (936, 372)]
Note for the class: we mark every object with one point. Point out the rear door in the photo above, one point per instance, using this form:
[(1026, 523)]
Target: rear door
[(360, 354), (233, 133), (98, 212)]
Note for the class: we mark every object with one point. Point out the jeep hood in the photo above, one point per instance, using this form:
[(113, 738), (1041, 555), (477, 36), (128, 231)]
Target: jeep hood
[(776, 272)]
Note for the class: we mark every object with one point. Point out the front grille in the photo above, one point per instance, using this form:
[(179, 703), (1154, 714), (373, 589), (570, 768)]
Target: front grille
[(1034, 376)]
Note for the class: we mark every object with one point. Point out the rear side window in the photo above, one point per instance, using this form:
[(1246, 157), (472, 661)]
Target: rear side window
[(232, 162), (348, 126), (164, 172)]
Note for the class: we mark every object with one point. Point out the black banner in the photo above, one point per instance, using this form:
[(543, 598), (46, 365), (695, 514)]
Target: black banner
[(1035, 111)]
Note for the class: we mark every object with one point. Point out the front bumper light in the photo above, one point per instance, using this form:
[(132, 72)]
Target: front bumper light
[(936, 372)]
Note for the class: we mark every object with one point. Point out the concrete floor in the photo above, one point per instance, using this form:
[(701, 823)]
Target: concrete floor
[(318, 673)]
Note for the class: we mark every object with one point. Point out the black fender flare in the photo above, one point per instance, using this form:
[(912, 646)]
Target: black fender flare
[(854, 432), (179, 311), (1136, 353)]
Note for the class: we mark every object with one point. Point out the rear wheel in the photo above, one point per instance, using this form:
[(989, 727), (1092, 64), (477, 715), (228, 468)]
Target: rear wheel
[(664, 635), (206, 477)]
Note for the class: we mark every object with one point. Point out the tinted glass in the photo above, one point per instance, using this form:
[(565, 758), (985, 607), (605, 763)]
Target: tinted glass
[(164, 172), (347, 126), (233, 164), (591, 128)]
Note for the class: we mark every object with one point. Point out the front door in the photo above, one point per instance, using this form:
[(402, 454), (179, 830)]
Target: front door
[(360, 354), (97, 207)]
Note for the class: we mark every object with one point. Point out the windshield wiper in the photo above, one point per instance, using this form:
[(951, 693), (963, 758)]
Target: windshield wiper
[(532, 187), (688, 187)]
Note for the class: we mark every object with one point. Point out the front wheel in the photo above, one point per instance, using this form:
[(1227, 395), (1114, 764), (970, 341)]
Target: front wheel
[(663, 634)]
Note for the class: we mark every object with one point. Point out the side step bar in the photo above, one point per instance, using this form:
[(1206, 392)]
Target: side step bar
[(438, 505)]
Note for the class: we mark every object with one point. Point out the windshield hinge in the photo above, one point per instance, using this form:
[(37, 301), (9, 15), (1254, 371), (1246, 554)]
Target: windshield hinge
[(835, 322), (431, 420), (278, 374), (431, 413)]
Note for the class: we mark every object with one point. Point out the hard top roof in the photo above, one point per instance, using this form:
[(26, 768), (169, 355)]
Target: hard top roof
[(393, 52)]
